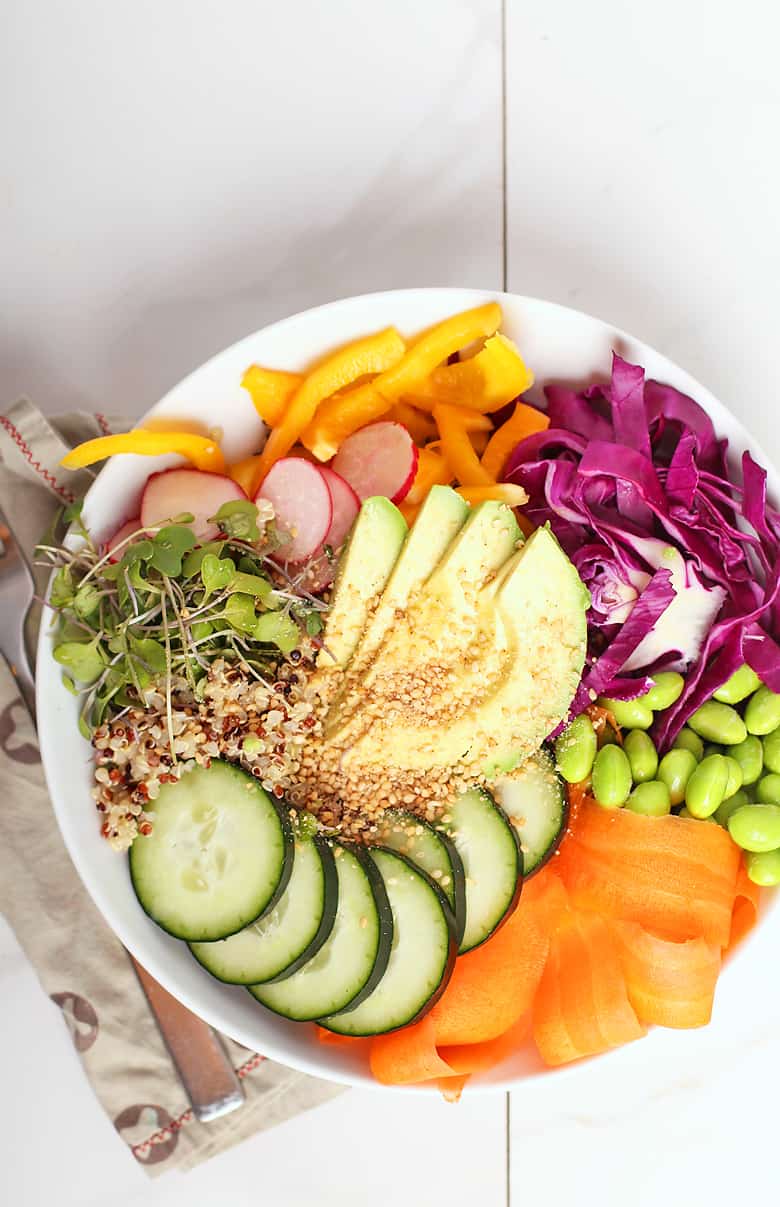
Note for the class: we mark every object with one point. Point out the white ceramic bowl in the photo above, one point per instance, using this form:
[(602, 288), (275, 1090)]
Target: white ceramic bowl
[(560, 345)]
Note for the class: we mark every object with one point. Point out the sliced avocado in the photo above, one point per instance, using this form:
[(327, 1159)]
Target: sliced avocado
[(538, 606), (364, 568), (441, 517)]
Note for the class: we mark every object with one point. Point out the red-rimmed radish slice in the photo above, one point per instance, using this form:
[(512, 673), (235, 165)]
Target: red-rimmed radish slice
[(302, 506), (122, 533), (380, 459), (346, 505), (176, 491)]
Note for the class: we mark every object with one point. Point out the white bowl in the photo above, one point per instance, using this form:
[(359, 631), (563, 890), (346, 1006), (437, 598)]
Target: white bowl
[(560, 345)]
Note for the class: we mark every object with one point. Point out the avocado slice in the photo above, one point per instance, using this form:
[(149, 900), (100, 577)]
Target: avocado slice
[(364, 568), (537, 607), (441, 517), (421, 645)]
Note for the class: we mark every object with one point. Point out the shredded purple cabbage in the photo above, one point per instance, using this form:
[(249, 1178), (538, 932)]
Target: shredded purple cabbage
[(682, 563)]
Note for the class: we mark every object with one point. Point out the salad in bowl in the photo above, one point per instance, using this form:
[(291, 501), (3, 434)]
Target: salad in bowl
[(431, 687)]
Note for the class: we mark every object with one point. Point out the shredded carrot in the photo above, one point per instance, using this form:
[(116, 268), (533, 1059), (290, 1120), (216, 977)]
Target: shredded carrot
[(452, 1087), (746, 899), (474, 1058), (406, 1056), (671, 984)]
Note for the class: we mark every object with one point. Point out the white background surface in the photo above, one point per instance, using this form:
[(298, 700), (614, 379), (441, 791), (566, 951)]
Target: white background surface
[(177, 174)]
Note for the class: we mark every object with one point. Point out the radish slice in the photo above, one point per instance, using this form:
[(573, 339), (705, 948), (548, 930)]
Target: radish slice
[(175, 491), (346, 505), (380, 459), (301, 503), (122, 533)]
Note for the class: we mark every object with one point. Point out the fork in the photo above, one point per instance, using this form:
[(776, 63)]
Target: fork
[(203, 1067)]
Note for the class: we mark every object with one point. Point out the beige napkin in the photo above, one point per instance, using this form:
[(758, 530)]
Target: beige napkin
[(81, 965)]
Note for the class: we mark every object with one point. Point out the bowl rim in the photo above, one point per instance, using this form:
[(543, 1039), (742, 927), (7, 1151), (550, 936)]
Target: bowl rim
[(49, 734)]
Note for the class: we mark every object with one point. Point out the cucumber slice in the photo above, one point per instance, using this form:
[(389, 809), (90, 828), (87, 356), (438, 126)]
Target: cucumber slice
[(219, 856), (535, 801), (489, 848), (423, 955), (352, 962), (430, 850), (287, 936)]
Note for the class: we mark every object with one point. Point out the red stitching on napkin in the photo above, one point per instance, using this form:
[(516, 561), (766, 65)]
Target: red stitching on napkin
[(250, 1065), (164, 1133), (26, 452), (103, 423)]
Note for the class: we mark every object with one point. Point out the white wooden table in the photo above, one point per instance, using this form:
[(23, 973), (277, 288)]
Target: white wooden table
[(176, 175)]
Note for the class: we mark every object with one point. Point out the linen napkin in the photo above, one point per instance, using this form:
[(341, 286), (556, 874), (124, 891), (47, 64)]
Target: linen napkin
[(81, 965)]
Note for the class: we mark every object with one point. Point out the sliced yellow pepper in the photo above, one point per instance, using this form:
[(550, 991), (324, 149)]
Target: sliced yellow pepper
[(502, 492), (479, 442), (338, 418), (203, 452), (270, 391), (372, 354), (246, 473), (485, 382), (457, 448), (524, 421), (432, 470), (419, 425)]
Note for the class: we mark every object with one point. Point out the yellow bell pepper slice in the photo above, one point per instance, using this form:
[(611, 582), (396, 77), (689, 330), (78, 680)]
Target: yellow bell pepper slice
[(479, 442), (202, 451), (270, 391), (372, 354), (485, 382), (457, 448), (432, 470), (419, 425), (338, 418), (246, 473), (502, 492), (524, 421)]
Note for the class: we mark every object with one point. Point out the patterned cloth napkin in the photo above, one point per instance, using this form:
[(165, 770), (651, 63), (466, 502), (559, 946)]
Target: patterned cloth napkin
[(80, 963)]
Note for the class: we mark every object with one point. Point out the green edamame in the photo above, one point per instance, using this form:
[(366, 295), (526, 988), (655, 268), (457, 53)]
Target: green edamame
[(712, 748), (734, 782), (717, 722), (763, 867), (642, 755), (688, 740), (650, 799), (666, 690), (611, 777), (575, 749), (742, 684), (674, 770), (687, 813), (706, 788), (750, 756), (762, 714), (768, 789), (729, 805), (629, 714), (771, 750), (756, 827)]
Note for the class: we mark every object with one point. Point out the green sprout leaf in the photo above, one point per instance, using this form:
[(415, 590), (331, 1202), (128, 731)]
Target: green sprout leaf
[(305, 826), (84, 729), (201, 629), (69, 685), (85, 660), (86, 600), (240, 613), (62, 588), (253, 584), (139, 551), (169, 547), (150, 652), (313, 624), (216, 573), (194, 560), (279, 629), (72, 512), (238, 519)]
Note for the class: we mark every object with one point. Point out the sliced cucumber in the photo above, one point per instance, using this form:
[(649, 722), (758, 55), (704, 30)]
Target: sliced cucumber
[(423, 955), (489, 848), (352, 962), (287, 936), (220, 854), (430, 850), (534, 799)]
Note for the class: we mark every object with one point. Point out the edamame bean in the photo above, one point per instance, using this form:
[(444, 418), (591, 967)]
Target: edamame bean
[(750, 755), (768, 789), (771, 750), (730, 805), (666, 690), (763, 867), (734, 782), (651, 799), (575, 749), (719, 723), (629, 714), (687, 813), (741, 685), (611, 777), (712, 748), (642, 755), (706, 788), (756, 827), (688, 740), (762, 714), (674, 770)]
